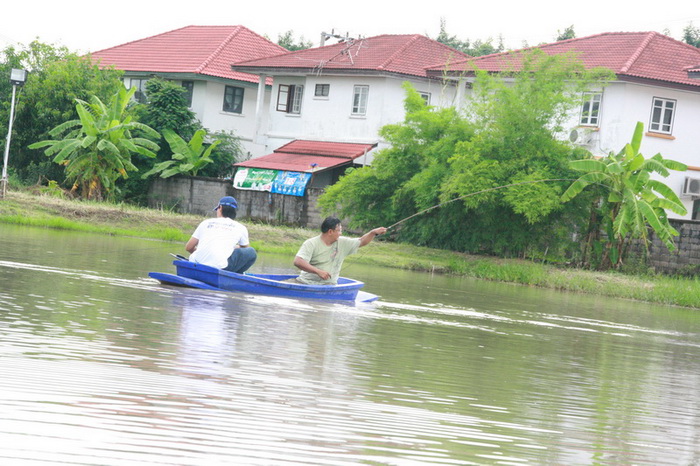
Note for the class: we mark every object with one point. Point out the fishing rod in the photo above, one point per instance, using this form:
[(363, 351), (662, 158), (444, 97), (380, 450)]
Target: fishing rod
[(474, 194), (463, 197)]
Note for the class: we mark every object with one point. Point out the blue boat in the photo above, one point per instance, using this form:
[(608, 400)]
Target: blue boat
[(194, 275)]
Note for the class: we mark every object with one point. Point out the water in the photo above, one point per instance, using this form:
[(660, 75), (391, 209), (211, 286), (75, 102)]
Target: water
[(102, 366)]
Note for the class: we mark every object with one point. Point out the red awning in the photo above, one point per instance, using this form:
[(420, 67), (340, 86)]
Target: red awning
[(309, 156)]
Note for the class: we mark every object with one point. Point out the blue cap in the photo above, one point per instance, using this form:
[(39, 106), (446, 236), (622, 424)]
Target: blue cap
[(227, 200)]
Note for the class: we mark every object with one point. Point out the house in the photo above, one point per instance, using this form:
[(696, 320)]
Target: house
[(656, 83), (327, 107), (200, 58), (347, 91)]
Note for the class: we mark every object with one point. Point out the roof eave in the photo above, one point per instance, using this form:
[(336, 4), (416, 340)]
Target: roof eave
[(190, 76), (659, 83), (295, 71)]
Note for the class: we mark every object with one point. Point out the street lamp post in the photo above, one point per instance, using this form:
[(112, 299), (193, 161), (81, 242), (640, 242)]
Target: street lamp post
[(17, 78)]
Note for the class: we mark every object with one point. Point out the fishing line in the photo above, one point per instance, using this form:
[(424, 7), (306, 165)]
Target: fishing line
[(464, 197), (474, 194)]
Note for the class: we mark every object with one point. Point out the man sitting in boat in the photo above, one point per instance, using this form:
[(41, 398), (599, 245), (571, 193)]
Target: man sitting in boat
[(320, 258), (222, 242)]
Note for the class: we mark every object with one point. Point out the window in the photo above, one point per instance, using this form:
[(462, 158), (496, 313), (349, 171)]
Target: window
[(426, 97), (662, 111), (322, 90), (140, 94), (189, 90), (233, 99), (359, 100), (590, 111), (289, 98)]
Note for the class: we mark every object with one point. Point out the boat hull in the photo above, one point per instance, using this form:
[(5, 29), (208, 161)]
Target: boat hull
[(195, 275)]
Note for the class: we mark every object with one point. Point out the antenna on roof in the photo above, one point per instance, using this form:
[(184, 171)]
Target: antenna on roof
[(325, 36)]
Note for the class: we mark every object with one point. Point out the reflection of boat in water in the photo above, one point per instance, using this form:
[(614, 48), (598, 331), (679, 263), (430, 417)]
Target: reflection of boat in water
[(204, 277)]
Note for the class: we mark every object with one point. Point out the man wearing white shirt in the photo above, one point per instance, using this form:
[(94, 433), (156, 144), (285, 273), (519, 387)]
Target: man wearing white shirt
[(221, 241)]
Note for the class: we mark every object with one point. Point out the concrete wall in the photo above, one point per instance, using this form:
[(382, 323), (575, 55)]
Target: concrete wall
[(279, 208), (198, 195), (188, 195), (686, 258)]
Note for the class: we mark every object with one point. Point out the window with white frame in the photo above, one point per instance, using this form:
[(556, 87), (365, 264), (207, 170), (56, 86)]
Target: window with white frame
[(590, 110), (662, 112), (289, 97), (140, 94), (359, 100), (426, 97), (233, 99), (322, 90)]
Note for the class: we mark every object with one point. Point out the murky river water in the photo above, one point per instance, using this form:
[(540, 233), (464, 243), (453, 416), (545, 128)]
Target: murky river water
[(100, 365)]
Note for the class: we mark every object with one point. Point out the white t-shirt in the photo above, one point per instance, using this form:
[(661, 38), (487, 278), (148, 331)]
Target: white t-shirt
[(218, 238)]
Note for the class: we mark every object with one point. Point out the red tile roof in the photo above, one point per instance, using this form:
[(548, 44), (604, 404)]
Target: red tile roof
[(631, 55), (300, 156), (206, 50), (399, 54)]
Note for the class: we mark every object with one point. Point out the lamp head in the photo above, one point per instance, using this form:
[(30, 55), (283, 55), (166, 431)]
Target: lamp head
[(18, 77)]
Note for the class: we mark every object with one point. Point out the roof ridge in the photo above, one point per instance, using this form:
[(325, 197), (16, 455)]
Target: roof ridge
[(628, 64), (139, 40), (413, 38), (237, 30), (506, 53)]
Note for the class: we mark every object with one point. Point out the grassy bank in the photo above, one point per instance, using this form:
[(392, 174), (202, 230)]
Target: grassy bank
[(50, 212)]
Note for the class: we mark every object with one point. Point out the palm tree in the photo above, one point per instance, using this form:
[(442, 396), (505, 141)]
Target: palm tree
[(188, 157), (96, 149), (634, 202)]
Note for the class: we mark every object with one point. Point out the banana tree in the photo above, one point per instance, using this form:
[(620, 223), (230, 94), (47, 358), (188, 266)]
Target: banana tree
[(188, 157), (633, 202), (96, 149)]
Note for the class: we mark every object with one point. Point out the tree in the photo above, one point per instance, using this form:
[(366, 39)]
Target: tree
[(691, 35), (225, 154), (476, 49), (420, 148), (56, 78), (496, 173), (288, 41), (631, 201), (568, 33), (188, 157), (96, 149), (167, 108)]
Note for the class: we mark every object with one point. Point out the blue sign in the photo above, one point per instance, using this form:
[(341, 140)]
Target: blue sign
[(290, 183)]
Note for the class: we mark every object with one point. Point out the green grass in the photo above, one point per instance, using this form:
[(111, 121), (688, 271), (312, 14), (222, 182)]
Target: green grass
[(122, 220)]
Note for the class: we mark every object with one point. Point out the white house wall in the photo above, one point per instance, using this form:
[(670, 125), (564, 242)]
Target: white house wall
[(207, 105), (211, 115), (624, 104), (330, 119)]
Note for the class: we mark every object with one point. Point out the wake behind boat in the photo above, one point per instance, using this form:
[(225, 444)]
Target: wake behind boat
[(195, 275)]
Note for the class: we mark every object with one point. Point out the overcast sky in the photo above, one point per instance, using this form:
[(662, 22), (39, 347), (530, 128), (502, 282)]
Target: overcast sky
[(88, 26)]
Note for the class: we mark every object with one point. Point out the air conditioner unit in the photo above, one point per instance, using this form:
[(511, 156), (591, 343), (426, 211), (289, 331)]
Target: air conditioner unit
[(691, 187), (580, 136)]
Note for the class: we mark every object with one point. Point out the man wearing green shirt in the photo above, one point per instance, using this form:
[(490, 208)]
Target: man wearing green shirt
[(320, 258)]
